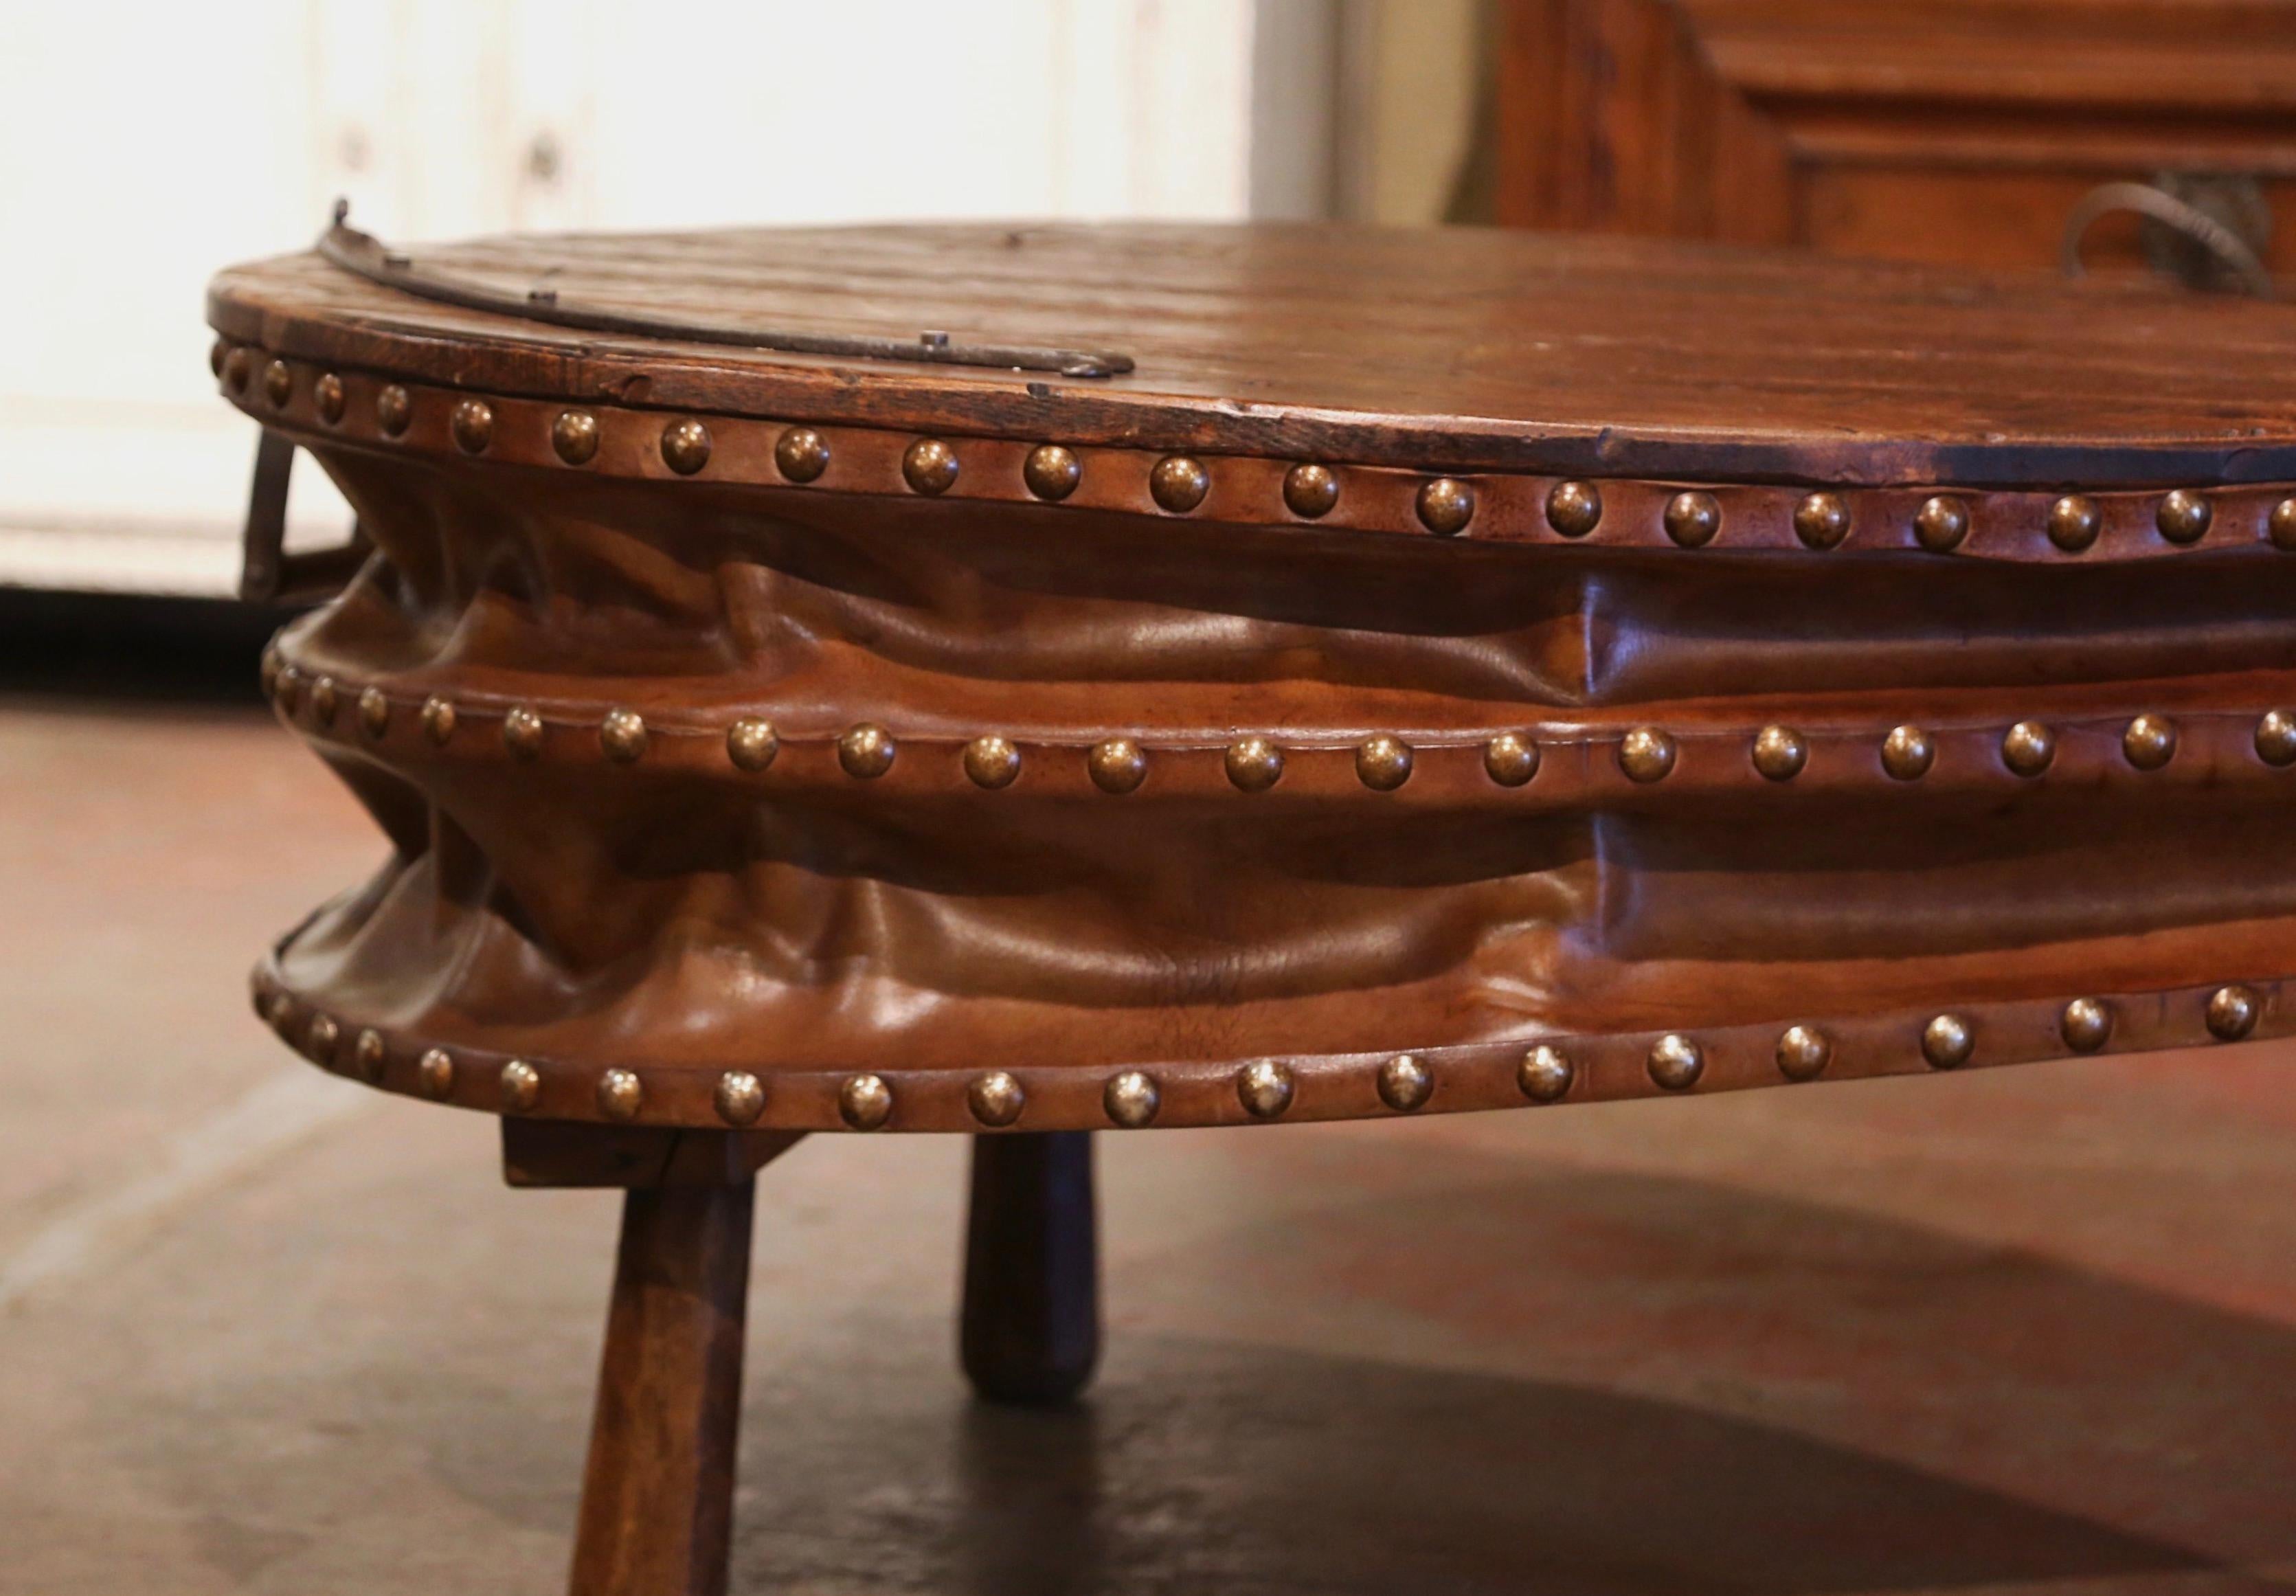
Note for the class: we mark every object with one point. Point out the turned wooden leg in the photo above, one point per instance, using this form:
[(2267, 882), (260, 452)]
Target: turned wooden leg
[(658, 1495), (1031, 1323)]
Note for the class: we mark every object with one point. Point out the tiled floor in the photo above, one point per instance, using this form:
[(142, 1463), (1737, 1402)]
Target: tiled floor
[(2028, 1330)]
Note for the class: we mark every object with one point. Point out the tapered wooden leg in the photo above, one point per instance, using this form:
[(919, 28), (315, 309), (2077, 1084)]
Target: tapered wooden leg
[(657, 1495), (1031, 1322)]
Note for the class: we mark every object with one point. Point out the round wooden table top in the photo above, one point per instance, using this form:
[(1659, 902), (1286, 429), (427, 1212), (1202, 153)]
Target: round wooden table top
[(1455, 351)]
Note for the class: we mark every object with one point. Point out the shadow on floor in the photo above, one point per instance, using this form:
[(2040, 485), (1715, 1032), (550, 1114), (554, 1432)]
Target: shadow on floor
[(134, 646)]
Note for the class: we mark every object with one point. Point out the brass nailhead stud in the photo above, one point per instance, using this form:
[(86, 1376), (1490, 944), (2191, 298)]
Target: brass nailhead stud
[(327, 394), (278, 384), (1051, 472), (1675, 1062), (2275, 738), (2085, 1025), (623, 736), (394, 408), (1446, 505), (521, 1086), (751, 743), (929, 466), (1117, 765), (2183, 516), (374, 711), (522, 732), (1821, 521), (2028, 747), (438, 719), (2074, 522), (996, 1099), (435, 1072), (574, 435), (368, 1056), (1803, 1052), (1947, 1041), (1545, 1073), (866, 751), (1265, 1087), (1178, 484), (1405, 1083), (268, 672), (1574, 508), (325, 701), (235, 367), (1941, 523), (1310, 491), (472, 425), (1645, 754), (287, 687), (2281, 525), (2149, 741), (686, 447), (1254, 764), (1908, 753), (1384, 763), (1780, 753), (279, 1010), (864, 1101), (739, 1098), (319, 1041), (1510, 759), (802, 454), (992, 762), (1131, 1099), (2233, 1012), (216, 353), (1693, 518), (619, 1094)]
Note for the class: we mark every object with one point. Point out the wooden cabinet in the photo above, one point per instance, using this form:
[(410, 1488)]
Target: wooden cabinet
[(1955, 131)]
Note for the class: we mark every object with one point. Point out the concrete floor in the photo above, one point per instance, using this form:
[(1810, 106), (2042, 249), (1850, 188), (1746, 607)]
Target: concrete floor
[(2028, 1330)]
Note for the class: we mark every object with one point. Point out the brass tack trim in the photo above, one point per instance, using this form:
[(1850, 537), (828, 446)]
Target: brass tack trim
[(996, 1099), (751, 743), (2233, 1012), (369, 1056), (1051, 472), (472, 423), (1948, 1042), (2028, 747), (2074, 522), (991, 762), (1445, 506), (1574, 508), (739, 1098), (216, 351), (1693, 518), (1178, 484), (2280, 525), (1941, 523), (327, 700), (375, 711), (1254, 764), (1646, 754), (1311, 491), (2149, 741), (1265, 1088), (522, 732), (1779, 753), (2085, 1025), (287, 687), (438, 719), (1545, 1074), (394, 408), (236, 365), (574, 437), (1907, 752), (1510, 759), (622, 733), (2275, 738), (2183, 516), (686, 445), (328, 398), (1405, 1083), (1384, 763), (621, 1094), (434, 1072), (930, 467), (802, 454), (521, 1086), (1821, 521), (1117, 765), (1675, 1062), (1131, 1099), (866, 752), (864, 1101), (1803, 1052), (320, 1037)]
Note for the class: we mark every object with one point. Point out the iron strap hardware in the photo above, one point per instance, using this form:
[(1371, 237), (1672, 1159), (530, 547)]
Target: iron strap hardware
[(366, 255)]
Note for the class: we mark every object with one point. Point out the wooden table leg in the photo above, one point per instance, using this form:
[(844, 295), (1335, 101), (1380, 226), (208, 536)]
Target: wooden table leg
[(658, 1495), (1031, 1321)]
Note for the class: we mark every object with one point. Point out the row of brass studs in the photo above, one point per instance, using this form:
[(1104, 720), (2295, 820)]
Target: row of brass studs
[(1384, 763), (1180, 483), (1266, 1087)]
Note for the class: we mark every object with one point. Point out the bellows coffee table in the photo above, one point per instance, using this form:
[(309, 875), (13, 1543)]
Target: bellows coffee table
[(1028, 682)]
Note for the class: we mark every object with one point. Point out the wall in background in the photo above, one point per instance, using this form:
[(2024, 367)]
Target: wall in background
[(143, 146)]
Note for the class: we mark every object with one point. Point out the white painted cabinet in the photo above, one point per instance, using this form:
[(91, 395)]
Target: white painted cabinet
[(142, 145)]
